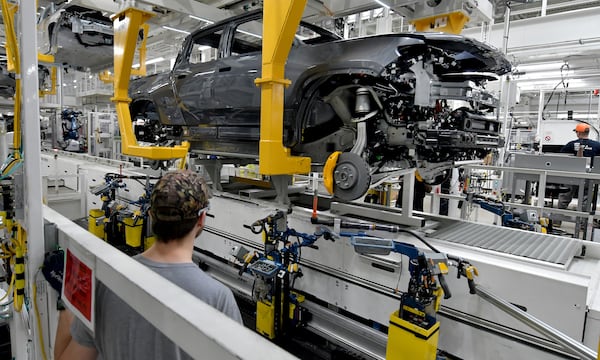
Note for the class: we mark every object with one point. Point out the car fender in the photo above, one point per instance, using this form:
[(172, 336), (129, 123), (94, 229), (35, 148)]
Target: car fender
[(310, 81), (157, 89)]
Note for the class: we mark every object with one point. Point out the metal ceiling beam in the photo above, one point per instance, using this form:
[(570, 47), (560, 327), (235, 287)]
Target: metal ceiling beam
[(542, 35), (190, 7), (341, 8)]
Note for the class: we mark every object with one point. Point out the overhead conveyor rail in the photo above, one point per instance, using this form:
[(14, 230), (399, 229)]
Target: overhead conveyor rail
[(542, 247)]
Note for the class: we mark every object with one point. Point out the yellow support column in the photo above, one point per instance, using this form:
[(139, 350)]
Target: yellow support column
[(13, 65), (280, 21), (126, 28)]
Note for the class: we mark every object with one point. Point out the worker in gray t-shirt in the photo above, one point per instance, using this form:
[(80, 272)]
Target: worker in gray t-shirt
[(178, 209)]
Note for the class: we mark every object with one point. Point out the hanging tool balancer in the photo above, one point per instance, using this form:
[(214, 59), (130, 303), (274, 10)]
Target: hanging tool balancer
[(275, 272)]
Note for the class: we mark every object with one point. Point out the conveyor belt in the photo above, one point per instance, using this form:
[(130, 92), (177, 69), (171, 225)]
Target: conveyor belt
[(548, 248)]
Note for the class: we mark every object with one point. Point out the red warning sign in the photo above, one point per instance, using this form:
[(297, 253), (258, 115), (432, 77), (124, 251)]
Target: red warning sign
[(547, 138), (78, 285)]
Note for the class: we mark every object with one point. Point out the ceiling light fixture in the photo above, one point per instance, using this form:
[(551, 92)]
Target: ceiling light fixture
[(155, 60), (382, 4), (202, 19), (249, 33), (176, 30), (151, 61)]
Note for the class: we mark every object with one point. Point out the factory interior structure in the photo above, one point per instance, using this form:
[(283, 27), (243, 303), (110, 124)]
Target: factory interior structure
[(389, 179)]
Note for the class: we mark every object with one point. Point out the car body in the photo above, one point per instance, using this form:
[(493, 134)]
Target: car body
[(76, 36), (395, 101)]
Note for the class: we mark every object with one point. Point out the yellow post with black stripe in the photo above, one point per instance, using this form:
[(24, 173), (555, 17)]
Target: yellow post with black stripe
[(409, 341), (20, 249)]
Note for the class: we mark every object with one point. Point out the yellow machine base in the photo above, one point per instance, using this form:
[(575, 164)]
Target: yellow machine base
[(93, 226), (133, 232), (265, 314), (408, 341)]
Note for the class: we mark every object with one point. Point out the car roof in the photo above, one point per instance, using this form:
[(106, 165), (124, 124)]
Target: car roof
[(257, 13)]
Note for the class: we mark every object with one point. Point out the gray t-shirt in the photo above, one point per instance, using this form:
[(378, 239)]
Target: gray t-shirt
[(121, 333)]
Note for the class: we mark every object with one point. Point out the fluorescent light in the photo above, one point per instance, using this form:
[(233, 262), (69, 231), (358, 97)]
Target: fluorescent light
[(202, 19), (155, 60), (382, 4), (176, 30), (151, 61), (249, 33)]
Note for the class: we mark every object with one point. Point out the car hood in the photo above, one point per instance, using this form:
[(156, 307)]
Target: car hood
[(468, 55)]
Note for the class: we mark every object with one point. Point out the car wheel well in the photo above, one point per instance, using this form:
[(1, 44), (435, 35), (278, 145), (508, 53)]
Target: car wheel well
[(307, 125), (140, 107)]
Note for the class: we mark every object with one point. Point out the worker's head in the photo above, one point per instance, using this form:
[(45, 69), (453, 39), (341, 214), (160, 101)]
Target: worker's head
[(582, 130), (178, 205)]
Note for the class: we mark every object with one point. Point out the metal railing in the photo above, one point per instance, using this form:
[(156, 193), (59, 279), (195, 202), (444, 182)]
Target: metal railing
[(200, 330)]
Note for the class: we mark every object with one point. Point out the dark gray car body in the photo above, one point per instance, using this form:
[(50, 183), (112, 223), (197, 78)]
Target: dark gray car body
[(217, 103), (78, 37)]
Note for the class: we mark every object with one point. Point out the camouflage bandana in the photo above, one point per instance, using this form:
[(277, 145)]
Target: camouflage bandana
[(178, 196)]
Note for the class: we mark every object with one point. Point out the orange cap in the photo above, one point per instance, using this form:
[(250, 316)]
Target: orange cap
[(581, 127)]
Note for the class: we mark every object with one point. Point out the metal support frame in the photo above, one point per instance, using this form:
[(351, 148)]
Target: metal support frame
[(25, 340), (280, 21), (543, 177), (379, 212), (567, 342), (126, 28), (534, 35), (199, 329)]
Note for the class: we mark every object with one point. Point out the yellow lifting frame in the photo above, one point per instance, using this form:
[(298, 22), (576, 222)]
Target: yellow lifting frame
[(141, 71), (280, 22), (52, 90), (126, 27), (106, 77)]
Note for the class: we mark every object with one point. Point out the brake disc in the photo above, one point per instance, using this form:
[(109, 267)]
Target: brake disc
[(351, 177)]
